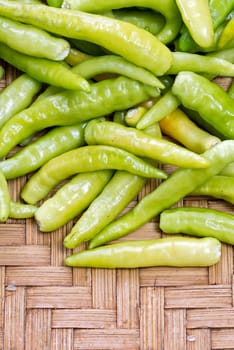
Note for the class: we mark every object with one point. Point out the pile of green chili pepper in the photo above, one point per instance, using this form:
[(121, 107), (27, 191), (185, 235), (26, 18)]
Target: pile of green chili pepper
[(111, 94)]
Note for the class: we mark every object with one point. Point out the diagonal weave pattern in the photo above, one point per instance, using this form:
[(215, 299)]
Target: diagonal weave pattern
[(47, 306)]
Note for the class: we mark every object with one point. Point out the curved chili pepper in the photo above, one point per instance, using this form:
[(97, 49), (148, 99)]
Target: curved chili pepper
[(167, 8), (76, 56), (173, 251), (32, 41), (219, 186), (83, 159), (44, 70), (212, 103), (21, 211), (4, 198), (143, 18), (17, 96), (219, 11), (179, 184), (70, 107), (196, 16), (164, 106), (202, 222), (125, 39), (47, 146), (225, 54), (227, 34), (184, 61), (181, 128), (116, 64), (116, 195), (71, 199), (139, 143)]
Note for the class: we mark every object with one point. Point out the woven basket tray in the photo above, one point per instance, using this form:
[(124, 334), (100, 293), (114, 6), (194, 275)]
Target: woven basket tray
[(47, 306)]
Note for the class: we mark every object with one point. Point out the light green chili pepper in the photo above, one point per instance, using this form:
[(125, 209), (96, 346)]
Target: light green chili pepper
[(116, 195), (164, 106), (179, 184), (71, 199), (47, 146), (44, 70), (71, 107), (173, 251), (125, 39), (4, 198), (17, 96), (21, 211), (115, 64), (202, 222), (219, 186), (139, 143), (32, 41), (83, 159)]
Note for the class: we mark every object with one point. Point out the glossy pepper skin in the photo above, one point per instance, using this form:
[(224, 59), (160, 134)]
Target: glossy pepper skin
[(139, 143), (181, 128), (185, 61), (197, 18), (219, 186), (201, 222), (174, 251), (71, 199), (177, 186), (116, 195), (17, 96), (4, 198), (70, 107), (21, 211), (164, 106), (212, 103), (32, 41), (84, 159), (34, 155), (125, 39), (167, 8), (44, 70), (117, 65)]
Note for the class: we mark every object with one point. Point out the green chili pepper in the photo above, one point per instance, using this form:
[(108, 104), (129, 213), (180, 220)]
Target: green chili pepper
[(125, 39), (115, 64), (70, 107), (44, 70), (181, 128), (167, 8), (143, 18), (47, 146), (17, 96), (202, 222), (32, 41), (212, 103), (219, 186), (219, 10), (231, 90), (87, 158), (21, 211), (179, 184), (116, 195), (228, 170), (71, 199), (164, 106), (227, 34), (76, 56), (4, 198), (183, 61), (2, 72), (197, 18), (225, 54), (174, 251), (139, 143)]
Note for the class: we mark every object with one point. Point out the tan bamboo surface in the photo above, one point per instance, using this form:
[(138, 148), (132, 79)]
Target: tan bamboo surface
[(48, 306)]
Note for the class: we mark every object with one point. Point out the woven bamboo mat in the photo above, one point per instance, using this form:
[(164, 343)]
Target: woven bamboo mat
[(47, 306)]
